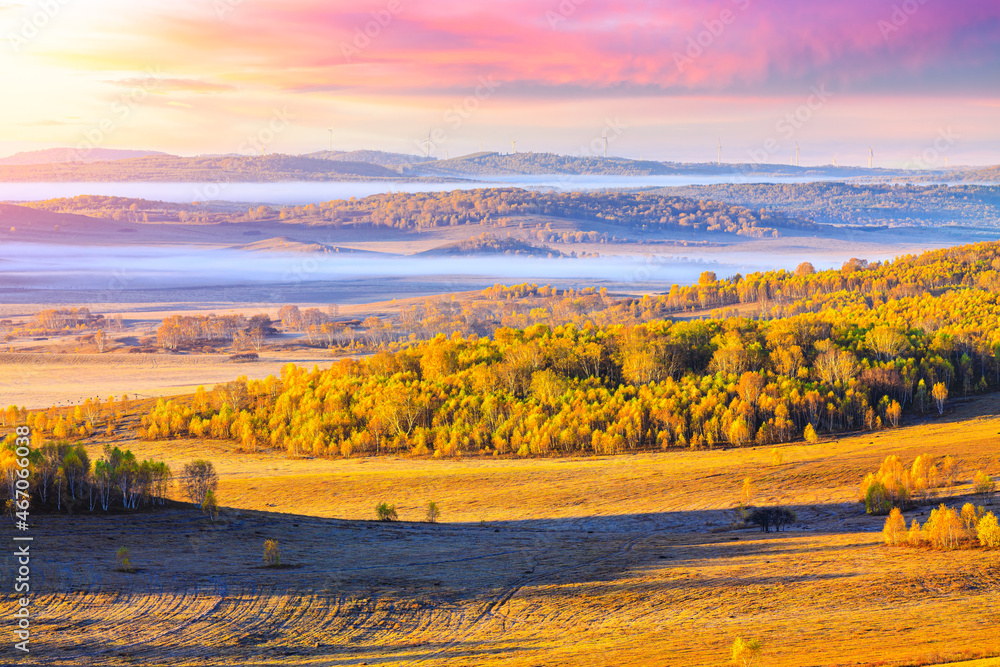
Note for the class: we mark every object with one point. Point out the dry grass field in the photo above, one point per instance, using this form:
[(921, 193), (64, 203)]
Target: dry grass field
[(579, 561)]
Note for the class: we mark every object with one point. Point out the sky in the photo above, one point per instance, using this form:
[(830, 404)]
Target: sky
[(916, 80)]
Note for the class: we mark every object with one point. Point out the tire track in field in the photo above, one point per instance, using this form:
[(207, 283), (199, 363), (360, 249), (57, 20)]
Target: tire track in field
[(490, 611)]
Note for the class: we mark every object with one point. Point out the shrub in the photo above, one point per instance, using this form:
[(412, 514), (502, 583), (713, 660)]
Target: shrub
[(810, 435), (123, 561), (915, 536), (272, 554), (745, 651), (894, 531), (766, 517), (386, 512), (777, 458), (988, 530), (433, 512)]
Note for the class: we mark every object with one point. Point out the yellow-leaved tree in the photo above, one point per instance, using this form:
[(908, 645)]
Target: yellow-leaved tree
[(989, 531), (944, 528), (894, 531)]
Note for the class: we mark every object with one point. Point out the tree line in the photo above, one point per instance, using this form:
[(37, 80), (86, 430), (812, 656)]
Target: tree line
[(494, 206), (63, 477)]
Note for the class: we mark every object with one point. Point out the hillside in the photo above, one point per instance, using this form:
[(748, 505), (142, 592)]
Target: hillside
[(24, 218), (974, 175), (286, 245), (874, 205), (381, 158), (59, 155), (488, 244), (635, 210)]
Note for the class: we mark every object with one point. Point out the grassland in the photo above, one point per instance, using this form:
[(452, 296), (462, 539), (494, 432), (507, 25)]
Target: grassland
[(579, 561)]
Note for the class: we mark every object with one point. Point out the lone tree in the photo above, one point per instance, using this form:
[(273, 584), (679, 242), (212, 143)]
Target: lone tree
[(209, 506), (433, 512), (200, 479), (101, 339), (746, 495), (940, 394), (894, 531), (272, 554), (123, 561)]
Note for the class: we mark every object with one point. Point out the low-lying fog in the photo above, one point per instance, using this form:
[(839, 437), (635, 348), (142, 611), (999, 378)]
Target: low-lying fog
[(108, 271)]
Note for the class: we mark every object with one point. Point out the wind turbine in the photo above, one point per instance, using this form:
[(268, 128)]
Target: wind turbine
[(331, 139), (720, 151), (871, 157), (605, 143), (796, 153), (428, 142), (513, 146), (834, 159)]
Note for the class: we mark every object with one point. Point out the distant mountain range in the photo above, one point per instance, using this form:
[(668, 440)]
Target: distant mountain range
[(478, 165), (222, 168), (118, 165), (62, 155)]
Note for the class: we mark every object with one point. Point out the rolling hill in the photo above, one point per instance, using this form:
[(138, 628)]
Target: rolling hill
[(267, 168)]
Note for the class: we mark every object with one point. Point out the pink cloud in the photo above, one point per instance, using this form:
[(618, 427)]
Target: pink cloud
[(704, 46)]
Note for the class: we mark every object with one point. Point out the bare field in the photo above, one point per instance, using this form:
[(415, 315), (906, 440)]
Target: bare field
[(60, 370), (40, 381), (581, 561)]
